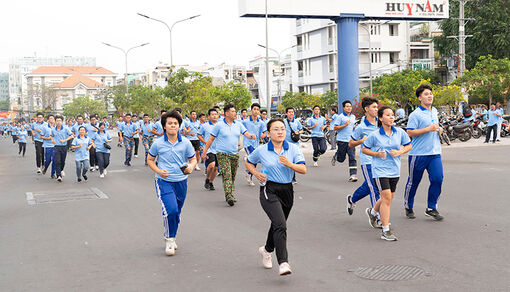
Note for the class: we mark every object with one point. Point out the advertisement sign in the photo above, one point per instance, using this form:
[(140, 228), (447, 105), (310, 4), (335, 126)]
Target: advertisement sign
[(380, 9), (5, 116), (422, 64)]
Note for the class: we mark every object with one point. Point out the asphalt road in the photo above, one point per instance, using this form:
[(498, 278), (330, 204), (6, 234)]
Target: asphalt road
[(116, 244)]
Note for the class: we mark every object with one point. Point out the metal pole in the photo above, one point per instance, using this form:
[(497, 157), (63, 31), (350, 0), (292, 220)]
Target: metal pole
[(268, 88), (462, 39), (126, 75)]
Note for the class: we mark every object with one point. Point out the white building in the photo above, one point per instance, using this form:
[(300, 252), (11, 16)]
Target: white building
[(385, 45), (65, 83), (280, 78), (19, 67)]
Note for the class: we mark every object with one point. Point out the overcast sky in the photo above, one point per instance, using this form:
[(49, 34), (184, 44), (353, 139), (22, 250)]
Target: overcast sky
[(77, 28)]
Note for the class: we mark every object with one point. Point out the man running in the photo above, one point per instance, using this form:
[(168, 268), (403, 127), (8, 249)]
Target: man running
[(209, 157), (119, 124), (256, 126), (61, 135), (48, 145), (332, 132), (317, 123), (343, 126), (136, 136), (37, 128), (157, 130), (146, 127), (194, 126), (128, 130)]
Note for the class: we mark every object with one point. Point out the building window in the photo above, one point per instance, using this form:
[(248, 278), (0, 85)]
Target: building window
[(375, 29), (300, 65), (376, 57), (331, 62), (393, 58), (299, 22), (393, 29), (301, 88), (331, 34), (299, 41)]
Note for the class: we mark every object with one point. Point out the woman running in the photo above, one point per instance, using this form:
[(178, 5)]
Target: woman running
[(385, 146), (81, 146), (22, 140), (279, 160), (101, 140)]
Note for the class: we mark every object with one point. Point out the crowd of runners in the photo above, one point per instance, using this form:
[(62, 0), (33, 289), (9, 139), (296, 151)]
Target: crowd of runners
[(175, 145)]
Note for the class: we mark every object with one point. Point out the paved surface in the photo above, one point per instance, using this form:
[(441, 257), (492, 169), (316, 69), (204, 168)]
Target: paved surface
[(115, 244)]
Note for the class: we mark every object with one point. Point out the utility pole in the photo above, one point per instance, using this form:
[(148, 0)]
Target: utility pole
[(462, 38), (268, 88)]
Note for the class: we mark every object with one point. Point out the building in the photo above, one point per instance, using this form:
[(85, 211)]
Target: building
[(18, 67), (384, 47), (4, 87), (55, 86)]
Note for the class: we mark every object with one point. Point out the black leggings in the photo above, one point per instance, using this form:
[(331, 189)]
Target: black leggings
[(277, 200), (493, 128), (137, 141), (319, 147), (22, 147), (92, 157), (39, 154)]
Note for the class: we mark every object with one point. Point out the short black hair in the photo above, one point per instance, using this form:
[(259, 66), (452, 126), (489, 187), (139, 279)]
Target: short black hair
[(178, 109), (346, 102), (171, 114), (316, 106), (101, 124), (82, 127), (289, 108), (244, 110), (163, 111), (145, 115), (211, 110), (263, 111), (381, 110), (134, 116), (228, 107), (422, 88), (255, 105), (335, 110), (216, 107), (127, 115), (273, 121), (39, 114), (201, 115), (79, 116), (59, 117), (50, 115), (105, 118), (368, 101), (192, 112)]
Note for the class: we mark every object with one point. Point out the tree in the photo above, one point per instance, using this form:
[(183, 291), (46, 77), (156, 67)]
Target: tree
[(47, 95), (488, 80), (177, 87), (330, 98), (120, 100), (490, 30), (398, 89), (447, 95), (234, 93), (201, 95), (83, 105), (297, 100)]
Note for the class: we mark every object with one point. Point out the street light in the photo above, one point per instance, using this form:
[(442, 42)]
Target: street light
[(279, 61), (125, 56), (169, 30)]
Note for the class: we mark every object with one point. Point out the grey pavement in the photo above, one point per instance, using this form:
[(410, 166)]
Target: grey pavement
[(116, 244)]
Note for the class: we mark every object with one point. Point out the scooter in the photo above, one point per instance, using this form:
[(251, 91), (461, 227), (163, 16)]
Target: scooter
[(454, 130)]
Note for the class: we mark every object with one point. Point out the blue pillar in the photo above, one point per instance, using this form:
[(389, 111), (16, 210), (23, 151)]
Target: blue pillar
[(348, 59)]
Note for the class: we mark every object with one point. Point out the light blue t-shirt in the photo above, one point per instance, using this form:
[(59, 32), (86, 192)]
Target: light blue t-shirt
[(119, 125), (227, 136), (257, 128), (501, 112), (428, 143), (137, 127), (81, 153), (400, 113), (129, 129), (76, 128), (194, 127), (389, 166), (345, 134), (364, 129), (205, 131), (159, 129), (61, 134), (316, 131), (295, 125), (47, 132), (147, 128), (270, 161), (92, 130), (172, 156), (493, 119), (22, 136), (471, 118), (333, 118), (100, 139), (38, 126)]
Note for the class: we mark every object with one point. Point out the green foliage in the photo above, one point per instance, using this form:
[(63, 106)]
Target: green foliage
[(490, 30), (83, 105), (330, 98), (489, 80), (447, 95), (300, 101), (234, 93)]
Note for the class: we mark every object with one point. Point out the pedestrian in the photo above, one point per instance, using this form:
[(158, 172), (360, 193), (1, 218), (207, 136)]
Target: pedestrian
[(69, 125), (61, 135), (424, 129), (211, 162), (37, 128), (92, 129), (367, 125), (128, 130), (146, 127), (119, 124), (263, 118), (344, 126), (332, 133), (492, 124), (227, 134), (194, 126), (81, 145), (136, 137), (293, 127), (48, 145), (176, 159), (385, 146), (101, 140), (157, 130), (256, 126), (317, 123), (279, 160), (500, 112), (22, 140)]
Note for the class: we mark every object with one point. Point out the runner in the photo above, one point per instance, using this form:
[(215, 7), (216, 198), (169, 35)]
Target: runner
[(279, 161), (36, 133), (101, 140), (136, 137), (176, 159), (119, 124), (211, 163), (146, 127), (61, 135), (48, 145), (227, 134), (194, 126), (317, 123), (128, 130), (22, 140), (157, 130), (92, 129), (385, 146), (332, 136), (292, 126), (343, 125), (423, 127), (258, 127), (81, 145), (367, 125), (263, 117), (69, 125)]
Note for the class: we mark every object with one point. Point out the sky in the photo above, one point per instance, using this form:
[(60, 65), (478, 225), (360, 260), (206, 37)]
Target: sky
[(53, 28)]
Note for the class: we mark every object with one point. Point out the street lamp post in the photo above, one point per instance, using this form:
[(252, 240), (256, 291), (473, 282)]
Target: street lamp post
[(126, 62), (370, 52), (170, 28)]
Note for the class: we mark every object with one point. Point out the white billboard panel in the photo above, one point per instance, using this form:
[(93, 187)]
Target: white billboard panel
[(381, 9)]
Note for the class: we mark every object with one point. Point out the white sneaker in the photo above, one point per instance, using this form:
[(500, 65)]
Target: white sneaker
[(285, 269), (105, 172), (353, 178), (39, 170), (266, 258), (315, 164), (197, 168), (136, 156), (62, 173), (92, 169), (97, 167), (248, 179), (101, 176), (169, 246)]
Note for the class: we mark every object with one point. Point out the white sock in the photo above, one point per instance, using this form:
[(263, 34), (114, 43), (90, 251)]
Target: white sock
[(374, 212), (386, 228)]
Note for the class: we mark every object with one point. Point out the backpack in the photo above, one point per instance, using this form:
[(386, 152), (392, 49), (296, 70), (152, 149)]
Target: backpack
[(466, 111)]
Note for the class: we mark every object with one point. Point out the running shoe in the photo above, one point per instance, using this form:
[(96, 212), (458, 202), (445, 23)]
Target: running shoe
[(315, 164), (79, 179), (388, 235), (371, 218), (353, 178), (44, 170), (169, 247), (197, 168), (333, 160), (206, 184), (39, 170), (53, 176), (211, 187), (62, 173), (105, 172), (266, 258), (379, 223), (97, 167), (410, 214), (434, 214), (285, 269), (350, 205), (136, 155), (59, 179), (230, 202), (85, 177), (101, 175), (91, 169)]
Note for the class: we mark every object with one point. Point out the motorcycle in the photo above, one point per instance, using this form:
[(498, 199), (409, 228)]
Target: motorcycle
[(454, 130), (478, 128), (505, 129)]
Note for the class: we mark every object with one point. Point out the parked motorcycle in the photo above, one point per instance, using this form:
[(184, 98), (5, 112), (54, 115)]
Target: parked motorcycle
[(478, 128), (454, 130)]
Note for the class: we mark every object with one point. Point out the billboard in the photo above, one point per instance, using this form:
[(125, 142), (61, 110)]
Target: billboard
[(379, 9), (422, 64)]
